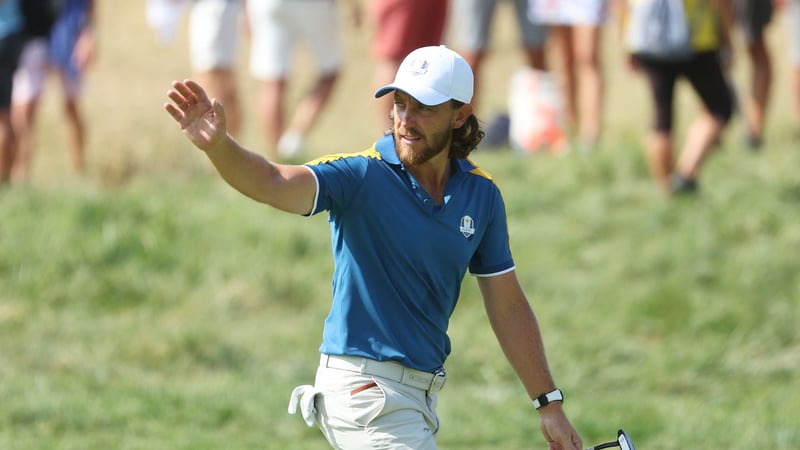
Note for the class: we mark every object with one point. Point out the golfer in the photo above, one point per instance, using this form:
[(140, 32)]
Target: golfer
[(409, 217)]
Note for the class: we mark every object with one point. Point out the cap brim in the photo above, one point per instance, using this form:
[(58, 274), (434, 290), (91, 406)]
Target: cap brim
[(426, 96)]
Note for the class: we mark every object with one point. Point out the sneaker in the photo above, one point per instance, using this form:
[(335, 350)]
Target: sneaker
[(290, 144), (753, 141), (678, 184)]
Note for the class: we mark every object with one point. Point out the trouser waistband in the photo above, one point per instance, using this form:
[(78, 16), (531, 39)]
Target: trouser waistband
[(427, 381)]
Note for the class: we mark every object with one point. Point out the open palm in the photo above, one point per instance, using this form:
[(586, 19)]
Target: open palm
[(201, 119)]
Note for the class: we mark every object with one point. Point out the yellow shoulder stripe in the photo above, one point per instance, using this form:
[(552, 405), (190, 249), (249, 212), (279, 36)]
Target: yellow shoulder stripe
[(479, 172), (370, 153)]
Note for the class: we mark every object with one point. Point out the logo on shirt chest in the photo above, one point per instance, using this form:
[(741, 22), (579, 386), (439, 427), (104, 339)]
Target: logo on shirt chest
[(467, 226)]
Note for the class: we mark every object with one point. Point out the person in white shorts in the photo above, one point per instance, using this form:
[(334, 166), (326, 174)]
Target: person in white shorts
[(69, 50), (575, 29), (214, 27), (277, 27)]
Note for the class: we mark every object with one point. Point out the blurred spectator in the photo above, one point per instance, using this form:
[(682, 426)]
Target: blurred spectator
[(752, 17), (164, 16), (214, 27), (401, 26), (793, 22), (705, 30), (277, 26), (575, 32), (471, 21), (68, 50), (11, 41)]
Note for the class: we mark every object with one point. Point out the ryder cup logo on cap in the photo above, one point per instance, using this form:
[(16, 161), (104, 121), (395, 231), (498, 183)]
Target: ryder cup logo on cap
[(433, 75)]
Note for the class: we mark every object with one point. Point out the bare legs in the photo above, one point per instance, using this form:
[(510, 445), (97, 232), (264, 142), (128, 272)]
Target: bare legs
[(582, 84), (760, 84), (221, 84), (23, 115), (23, 119), (702, 134), (384, 74), (6, 146), (285, 141)]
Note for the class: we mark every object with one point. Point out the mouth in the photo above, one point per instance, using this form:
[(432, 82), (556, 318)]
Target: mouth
[(409, 138)]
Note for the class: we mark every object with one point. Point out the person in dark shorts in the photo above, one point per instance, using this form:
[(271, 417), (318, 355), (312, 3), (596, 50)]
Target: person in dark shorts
[(703, 68), (12, 39), (752, 18)]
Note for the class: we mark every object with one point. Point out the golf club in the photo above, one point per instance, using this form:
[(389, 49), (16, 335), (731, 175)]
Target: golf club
[(623, 441)]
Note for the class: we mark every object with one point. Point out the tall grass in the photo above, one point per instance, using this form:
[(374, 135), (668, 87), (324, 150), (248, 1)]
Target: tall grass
[(148, 306)]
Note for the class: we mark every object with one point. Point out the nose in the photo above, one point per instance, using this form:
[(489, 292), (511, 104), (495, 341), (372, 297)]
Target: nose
[(405, 116)]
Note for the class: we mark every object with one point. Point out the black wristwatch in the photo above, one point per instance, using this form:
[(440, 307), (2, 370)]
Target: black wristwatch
[(545, 399)]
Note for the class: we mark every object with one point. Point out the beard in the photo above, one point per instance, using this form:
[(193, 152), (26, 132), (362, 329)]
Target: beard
[(426, 148)]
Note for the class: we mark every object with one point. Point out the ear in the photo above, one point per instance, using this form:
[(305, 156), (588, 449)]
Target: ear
[(461, 115)]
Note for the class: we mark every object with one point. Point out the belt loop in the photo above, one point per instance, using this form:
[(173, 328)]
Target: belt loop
[(364, 362)]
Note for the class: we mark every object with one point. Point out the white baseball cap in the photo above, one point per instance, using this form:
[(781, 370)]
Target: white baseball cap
[(433, 75)]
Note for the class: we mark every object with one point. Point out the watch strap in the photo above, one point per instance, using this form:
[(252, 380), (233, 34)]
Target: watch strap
[(553, 396)]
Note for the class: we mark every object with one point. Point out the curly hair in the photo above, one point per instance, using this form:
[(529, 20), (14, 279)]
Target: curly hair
[(467, 137)]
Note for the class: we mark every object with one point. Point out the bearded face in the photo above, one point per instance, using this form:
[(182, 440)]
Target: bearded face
[(421, 132)]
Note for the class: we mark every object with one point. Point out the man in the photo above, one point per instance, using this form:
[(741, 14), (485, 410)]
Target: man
[(409, 217)]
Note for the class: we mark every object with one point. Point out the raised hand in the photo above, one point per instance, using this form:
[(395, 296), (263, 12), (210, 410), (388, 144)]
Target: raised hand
[(201, 119)]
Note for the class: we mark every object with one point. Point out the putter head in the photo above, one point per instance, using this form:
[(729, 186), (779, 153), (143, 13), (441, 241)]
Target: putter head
[(624, 441)]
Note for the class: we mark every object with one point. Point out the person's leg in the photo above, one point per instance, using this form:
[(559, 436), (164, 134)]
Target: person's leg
[(76, 135), (10, 49), (220, 83), (661, 78), (270, 63), (659, 151), (796, 96), (29, 81), (700, 138), (705, 74), (318, 25), (590, 79), (213, 38), (754, 16), (760, 84), (533, 35), (270, 108), (793, 26), (308, 111), (23, 116), (562, 42)]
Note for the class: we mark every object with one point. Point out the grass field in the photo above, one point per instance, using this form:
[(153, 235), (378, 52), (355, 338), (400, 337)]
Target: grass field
[(149, 306)]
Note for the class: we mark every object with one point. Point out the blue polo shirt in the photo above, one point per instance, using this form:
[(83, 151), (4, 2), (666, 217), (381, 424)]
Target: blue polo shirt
[(399, 260)]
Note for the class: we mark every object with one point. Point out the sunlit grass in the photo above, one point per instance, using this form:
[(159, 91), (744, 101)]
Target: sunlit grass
[(149, 306)]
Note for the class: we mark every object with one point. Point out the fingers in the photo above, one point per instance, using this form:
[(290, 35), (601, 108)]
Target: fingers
[(173, 111), (184, 96), (187, 93)]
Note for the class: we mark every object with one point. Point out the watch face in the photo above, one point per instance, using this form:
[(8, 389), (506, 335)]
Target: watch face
[(625, 442)]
